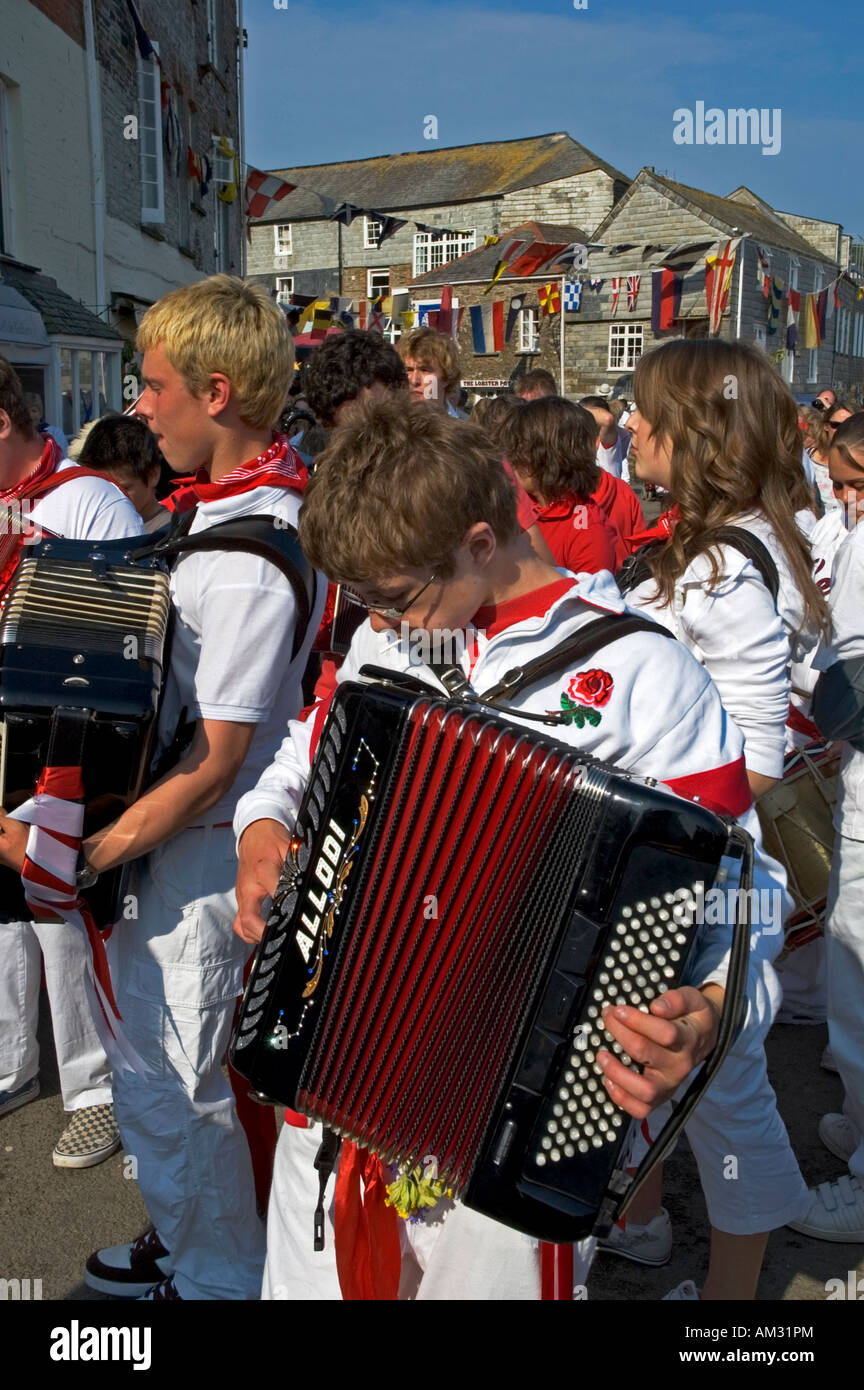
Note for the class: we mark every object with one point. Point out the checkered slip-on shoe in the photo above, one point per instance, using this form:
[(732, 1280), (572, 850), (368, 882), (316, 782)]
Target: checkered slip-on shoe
[(90, 1137), (129, 1271)]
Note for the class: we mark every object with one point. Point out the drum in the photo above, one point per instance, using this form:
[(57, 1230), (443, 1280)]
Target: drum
[(796, 817)]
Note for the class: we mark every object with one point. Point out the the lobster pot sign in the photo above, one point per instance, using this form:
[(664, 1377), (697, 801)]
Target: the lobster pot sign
[(463, 897)]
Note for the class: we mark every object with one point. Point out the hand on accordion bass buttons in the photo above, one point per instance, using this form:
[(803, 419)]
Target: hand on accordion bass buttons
[(679, 1032), (261, 854), (13, 842)]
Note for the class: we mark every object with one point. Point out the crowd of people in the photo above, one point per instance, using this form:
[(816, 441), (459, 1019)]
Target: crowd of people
[(522, 523)]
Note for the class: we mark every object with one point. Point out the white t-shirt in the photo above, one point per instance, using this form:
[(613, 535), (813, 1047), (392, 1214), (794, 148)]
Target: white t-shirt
[(88, 509), (613, 458), (233, 637)]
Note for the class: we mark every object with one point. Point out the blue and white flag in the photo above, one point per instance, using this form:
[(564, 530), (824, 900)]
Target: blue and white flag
[(572, 295)]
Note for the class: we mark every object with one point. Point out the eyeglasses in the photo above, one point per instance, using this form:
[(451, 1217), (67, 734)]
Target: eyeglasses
[(393, 613)]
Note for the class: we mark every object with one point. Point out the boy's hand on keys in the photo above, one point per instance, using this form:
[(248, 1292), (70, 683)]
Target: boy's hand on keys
[(261, 854), (674, 1037)]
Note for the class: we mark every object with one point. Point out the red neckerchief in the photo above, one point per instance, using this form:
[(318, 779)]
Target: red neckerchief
[(13, 537), (660, 531), (52, 455), (279, 466)]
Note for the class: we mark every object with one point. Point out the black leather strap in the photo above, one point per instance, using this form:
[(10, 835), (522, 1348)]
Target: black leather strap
[(266, 536), (635, 569)]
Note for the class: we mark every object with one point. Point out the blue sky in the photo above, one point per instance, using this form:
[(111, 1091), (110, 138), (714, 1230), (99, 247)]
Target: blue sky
[(343, 81)]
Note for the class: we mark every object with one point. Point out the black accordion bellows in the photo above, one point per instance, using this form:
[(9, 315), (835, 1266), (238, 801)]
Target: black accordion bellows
[(84, 630), (463, 897)]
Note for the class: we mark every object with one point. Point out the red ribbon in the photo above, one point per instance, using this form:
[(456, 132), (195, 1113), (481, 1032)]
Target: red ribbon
[(368, 1255)]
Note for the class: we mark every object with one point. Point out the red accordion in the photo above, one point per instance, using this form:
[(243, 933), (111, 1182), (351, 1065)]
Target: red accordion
[(463, 897)]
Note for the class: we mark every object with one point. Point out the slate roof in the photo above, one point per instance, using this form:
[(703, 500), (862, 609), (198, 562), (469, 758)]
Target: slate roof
[(423, 178), (478, 267), (724, 213), (60, 312)]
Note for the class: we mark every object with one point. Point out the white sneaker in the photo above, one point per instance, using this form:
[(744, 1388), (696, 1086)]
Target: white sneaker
[(827, 1063), (650, 1244), (839, 1136), (686, 1292), (836, 1212)]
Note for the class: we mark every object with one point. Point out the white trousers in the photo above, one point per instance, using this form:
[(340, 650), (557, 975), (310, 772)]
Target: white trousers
[(748, 1172), (85, 1075), (461, 1255), (844, 935), (177, 971)]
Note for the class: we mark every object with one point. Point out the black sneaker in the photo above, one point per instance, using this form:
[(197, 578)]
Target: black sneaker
[(128, 1271), (13, 1100)]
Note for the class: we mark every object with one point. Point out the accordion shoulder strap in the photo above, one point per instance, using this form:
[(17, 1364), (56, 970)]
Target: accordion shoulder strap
[(583, 644), (636, 570), (269, 537)]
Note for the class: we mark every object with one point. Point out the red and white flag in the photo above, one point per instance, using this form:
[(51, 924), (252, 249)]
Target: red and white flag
[(262, 190), (718, 278), (616, 291)]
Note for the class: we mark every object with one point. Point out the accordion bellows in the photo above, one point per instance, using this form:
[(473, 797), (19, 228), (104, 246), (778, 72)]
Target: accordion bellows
[(463, 897), (84, 628)]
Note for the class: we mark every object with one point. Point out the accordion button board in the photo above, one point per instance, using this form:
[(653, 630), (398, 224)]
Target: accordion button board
[(463, 898)]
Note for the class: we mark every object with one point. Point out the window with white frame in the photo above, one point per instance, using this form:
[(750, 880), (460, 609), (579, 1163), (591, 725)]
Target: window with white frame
[(282, 236), (377, 283), (150, 140), (625, 345), (213, 19), (813, 364), (432, 249), (284, 288), (529, 330), (372, 230)]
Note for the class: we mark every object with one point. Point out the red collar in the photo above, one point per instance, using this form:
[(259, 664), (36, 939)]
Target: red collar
[(493, 618), (660, 531), (605, 489), (278, 466), (52, 456)]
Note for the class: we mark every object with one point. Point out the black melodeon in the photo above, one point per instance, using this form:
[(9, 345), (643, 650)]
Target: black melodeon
[(84, 645), (462, 897), (82, 649)]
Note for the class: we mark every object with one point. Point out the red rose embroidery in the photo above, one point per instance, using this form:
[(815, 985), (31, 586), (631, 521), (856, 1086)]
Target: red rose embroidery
[(591, 687)]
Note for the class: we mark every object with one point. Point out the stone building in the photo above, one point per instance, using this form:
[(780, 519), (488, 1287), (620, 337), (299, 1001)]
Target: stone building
[(535, 339), (656, 215), (100, 213), (468, 192)]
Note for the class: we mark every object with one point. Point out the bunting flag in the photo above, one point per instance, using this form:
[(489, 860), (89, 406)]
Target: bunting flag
[(345, 213), (482, 328), (616, 291), (228, 192), (262, 191), (517, 303), (837, 293), (490, 241), (777, 293), (343, 310), (665, 298), (498, 324), (595, 285), (718, 278), (762, 271), (193, 165), (815, 310), (633, 283), (362, 313), (501, 263), (791, 325), (375, 319), (401, 304), (145, 47), (444, 317), (794, 300), (550, 298), (322, 316), (389, 225), (538, 254), (572, 295)]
